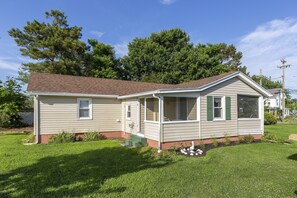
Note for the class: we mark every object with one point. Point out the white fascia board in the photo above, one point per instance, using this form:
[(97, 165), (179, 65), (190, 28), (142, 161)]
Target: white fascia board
[(72, 94)]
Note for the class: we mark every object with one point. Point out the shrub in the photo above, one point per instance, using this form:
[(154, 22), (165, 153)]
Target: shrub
[(29, 139), (269, 118), (63, 137), (13, 100), (268, 137), (239, 140), (227, 140), (248, 139), (214, 142), (92, 136), (202, 144)]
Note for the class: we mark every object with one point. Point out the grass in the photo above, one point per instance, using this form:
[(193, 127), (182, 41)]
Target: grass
[(282, 130), (105, 169)]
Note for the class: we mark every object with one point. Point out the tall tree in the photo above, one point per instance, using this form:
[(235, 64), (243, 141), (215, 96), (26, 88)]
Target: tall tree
[(54, 47), (100, 61), (158, 58), (170, 57), (213, 59), (267, 82)]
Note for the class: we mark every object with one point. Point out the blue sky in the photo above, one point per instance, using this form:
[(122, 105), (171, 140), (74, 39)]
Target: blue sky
[(264, 31)]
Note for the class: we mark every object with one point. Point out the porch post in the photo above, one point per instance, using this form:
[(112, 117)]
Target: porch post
[(161, 107)]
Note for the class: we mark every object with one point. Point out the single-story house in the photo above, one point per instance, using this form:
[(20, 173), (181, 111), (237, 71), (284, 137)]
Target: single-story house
[(229, 104)]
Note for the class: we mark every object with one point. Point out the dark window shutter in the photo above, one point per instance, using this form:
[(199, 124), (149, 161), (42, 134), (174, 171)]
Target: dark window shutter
[(228, 108), (209, 108)]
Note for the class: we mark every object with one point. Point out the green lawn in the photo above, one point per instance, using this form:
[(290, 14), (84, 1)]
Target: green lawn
[(282, 130), (104, 168)]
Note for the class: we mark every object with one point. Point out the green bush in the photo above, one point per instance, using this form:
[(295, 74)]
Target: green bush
[(63, 137), (269, 119), (13, 101), (227, 140), (202, 144), (239, 140), (92, 136), (248, 139), (268, 137), (214, 142)]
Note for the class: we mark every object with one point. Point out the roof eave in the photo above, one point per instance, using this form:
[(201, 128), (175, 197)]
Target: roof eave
[(39, 93)]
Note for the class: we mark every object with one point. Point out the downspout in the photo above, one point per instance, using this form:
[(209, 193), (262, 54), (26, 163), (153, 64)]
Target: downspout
[(37, 132), (160, 122)]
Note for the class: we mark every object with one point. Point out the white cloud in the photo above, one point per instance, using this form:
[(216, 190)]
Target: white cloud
[(167, 2), (97, 33), (267, 44), (121, 49), (8, 64)]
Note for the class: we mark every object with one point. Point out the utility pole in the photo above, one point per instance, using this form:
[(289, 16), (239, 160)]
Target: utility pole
[(283, 67), (261, 77)]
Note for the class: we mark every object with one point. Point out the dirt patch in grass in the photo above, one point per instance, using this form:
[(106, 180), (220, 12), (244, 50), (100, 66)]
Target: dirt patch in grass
[(293, 137), (22, 130)]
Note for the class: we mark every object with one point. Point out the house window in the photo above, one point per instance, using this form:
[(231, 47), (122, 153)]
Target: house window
[(128, 112), (248, 106), (180, 108), (84, 108), (218, 107), (152, 109)]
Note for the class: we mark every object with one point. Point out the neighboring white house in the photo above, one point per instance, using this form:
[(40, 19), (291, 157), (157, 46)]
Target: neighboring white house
[(274, 103)]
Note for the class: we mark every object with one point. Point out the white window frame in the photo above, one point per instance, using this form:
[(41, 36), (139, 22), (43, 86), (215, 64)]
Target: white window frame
[(223, 106), (127, 110), (90, 109)]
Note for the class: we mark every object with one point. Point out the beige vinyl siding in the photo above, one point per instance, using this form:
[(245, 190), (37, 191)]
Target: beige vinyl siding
[(151, 130), (180, 131), (60, 114), (134, 116), (220, 128), (249, 126)]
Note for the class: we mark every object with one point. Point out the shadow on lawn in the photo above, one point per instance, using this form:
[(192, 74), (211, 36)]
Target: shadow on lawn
[(293, 157), (77, 174)]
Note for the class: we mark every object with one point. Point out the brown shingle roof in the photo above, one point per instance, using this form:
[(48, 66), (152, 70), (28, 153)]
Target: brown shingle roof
[(43, 82)]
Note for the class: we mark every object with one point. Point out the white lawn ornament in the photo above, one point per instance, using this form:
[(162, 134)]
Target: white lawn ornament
[(193, 146)]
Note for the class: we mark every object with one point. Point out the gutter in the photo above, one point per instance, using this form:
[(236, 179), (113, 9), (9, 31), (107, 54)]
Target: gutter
[(160, 122), (71, 94), (37, 132)]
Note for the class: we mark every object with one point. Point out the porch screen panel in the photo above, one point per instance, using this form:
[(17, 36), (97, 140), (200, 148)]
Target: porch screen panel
[(170, 109), (192, 109), (180, 108), (152, 109), (248, 106)]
